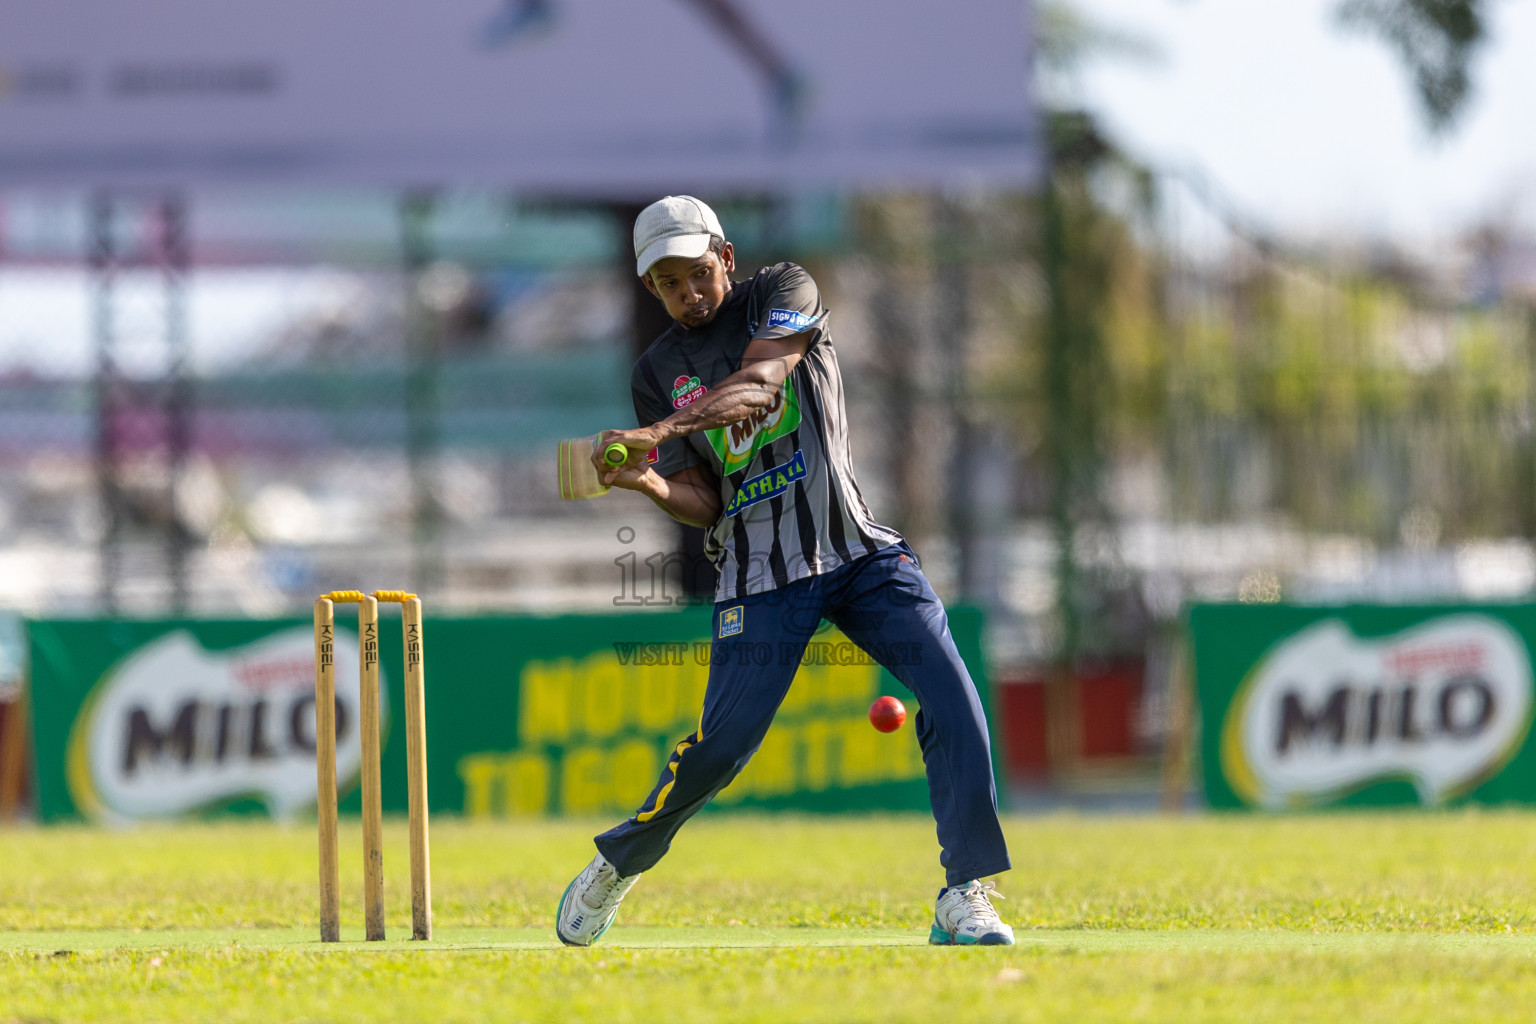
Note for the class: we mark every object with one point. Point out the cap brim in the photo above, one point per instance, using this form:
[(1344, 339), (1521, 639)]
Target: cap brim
[(687, 246)]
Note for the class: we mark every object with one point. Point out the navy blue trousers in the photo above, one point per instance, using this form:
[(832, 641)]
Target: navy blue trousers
[(883, 603)]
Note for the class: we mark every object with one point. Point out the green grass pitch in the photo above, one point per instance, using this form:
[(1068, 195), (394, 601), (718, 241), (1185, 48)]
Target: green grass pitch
[(1358, 917)]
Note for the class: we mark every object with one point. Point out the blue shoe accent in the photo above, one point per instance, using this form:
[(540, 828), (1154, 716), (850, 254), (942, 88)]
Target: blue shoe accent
[(939, 937)]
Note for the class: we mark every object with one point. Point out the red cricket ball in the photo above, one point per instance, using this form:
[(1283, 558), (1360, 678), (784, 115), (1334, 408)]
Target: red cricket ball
[(887, 714)]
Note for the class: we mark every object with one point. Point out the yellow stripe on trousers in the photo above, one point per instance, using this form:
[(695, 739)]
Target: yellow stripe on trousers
[(677, 756)]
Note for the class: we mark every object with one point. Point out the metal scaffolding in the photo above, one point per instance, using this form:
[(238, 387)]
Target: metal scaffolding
[(143, 410)]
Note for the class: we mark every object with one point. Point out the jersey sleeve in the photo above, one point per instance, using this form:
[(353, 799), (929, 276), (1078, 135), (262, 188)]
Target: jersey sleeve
[(674, 456), (790, 304)]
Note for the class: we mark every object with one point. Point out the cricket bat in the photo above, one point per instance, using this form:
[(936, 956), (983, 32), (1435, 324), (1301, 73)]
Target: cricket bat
[(578, 477)]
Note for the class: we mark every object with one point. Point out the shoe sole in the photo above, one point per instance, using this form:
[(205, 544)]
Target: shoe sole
[(560, 913), (939, 937)]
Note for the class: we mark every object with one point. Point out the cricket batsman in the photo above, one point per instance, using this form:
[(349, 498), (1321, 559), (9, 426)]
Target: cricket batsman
[(743, 432)]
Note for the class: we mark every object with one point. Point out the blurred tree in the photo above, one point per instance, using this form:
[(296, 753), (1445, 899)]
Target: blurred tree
[(1435, 39), (1065, 40)]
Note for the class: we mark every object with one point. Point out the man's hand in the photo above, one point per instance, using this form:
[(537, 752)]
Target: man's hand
[(690, 496), (639, 441)]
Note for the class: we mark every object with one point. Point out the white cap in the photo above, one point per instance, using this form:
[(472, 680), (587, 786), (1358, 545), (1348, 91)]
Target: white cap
[(674, 226)]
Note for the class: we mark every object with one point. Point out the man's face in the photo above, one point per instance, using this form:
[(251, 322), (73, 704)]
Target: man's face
[(692, 289)]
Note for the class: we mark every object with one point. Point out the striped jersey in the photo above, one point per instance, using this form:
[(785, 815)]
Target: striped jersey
[(790, 505)]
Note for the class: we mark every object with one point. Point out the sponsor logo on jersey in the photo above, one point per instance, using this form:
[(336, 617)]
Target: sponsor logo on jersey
[(686, 390), (767, 484), (790, 318), (739, 442), (731, 621), (651, 456)]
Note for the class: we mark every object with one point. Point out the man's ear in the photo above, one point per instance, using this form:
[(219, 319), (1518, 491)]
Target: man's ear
[(728, 257), (650, 285)]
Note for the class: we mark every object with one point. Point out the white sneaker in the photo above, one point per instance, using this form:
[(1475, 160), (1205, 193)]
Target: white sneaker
[(964, 916), (591, 902)]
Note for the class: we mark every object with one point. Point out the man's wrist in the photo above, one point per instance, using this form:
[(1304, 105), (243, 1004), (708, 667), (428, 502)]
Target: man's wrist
[(660, 433), (654, 485)]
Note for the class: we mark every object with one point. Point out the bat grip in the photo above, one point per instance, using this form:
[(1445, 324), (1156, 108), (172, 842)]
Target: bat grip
[(616, 454)]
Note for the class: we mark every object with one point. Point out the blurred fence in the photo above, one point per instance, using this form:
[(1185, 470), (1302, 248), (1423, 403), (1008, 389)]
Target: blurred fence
[(1378, 405), (1086, 406), (370, 391)]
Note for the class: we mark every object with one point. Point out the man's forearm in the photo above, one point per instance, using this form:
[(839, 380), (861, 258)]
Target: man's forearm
[(757, 386), (738, 396), (690, 504)]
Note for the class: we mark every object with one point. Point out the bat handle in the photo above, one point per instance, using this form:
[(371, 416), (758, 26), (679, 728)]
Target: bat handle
[(616, 454)]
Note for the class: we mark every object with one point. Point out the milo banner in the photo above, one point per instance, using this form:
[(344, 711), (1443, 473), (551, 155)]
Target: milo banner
[(1312, 707), (147, 720)]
